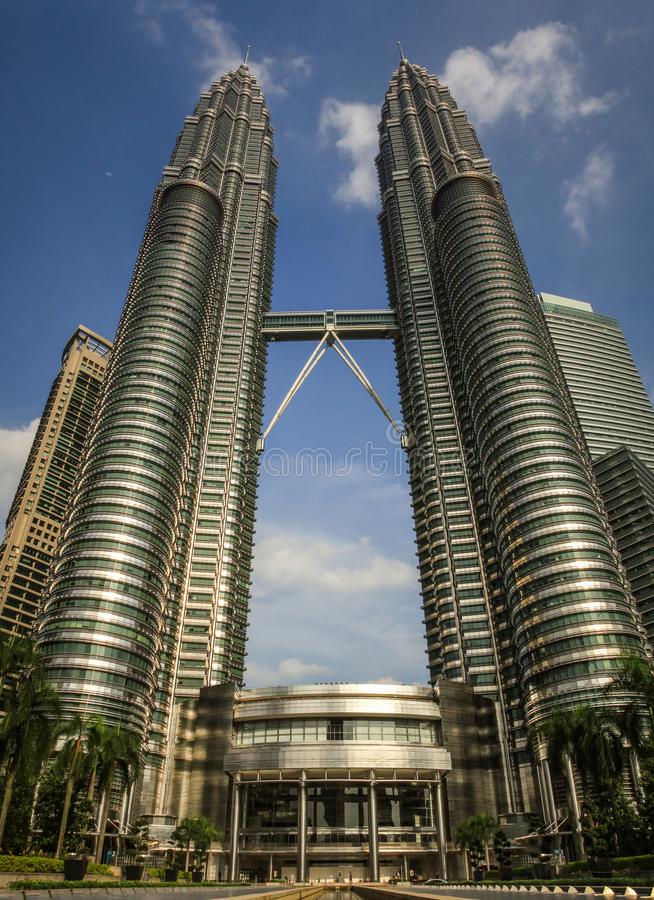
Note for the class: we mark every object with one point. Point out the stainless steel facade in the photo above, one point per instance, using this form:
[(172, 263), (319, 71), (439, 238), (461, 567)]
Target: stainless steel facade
[(523, 594), (320, 778), (627, 486), (150, 591), (521, 583), (617, 419)]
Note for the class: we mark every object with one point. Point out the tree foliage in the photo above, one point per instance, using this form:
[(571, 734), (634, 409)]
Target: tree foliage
[(28, 727), (198, 832)]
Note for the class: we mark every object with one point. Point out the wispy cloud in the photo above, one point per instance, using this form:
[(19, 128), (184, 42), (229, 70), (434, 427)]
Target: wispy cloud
[(298, 561), (287, 671), (538, 70), (628, 33), (353, 129), (355, 606), (216, 49), (14, 447), (589, 190)]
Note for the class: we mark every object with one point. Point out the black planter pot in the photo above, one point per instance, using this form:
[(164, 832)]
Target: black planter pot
[(171, 874), (601, 866), (197, 876), (543, 870), (133, 872), (75, 869)]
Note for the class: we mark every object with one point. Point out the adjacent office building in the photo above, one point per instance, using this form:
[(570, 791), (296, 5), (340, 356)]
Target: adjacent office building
[(611, 401), (36, 514), (524, 599), (617, 418)]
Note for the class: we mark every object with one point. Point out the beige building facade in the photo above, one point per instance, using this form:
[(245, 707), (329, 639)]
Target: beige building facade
[(36, 514)]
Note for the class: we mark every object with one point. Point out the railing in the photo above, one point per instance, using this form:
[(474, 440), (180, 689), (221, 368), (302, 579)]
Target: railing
[(337, 837)]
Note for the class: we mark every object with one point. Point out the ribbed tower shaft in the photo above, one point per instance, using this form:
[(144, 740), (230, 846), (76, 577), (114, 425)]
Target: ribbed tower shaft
[(521, 585), (150, 591)]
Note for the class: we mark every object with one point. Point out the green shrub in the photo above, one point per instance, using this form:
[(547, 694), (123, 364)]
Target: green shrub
[(30, 864), (98, 869), (644, 863), (44, 864)]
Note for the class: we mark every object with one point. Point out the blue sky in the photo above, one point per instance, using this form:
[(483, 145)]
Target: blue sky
[(93, 94)]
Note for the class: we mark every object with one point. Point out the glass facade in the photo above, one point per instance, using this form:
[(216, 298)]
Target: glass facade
[(512, 536), (608, 393), (275, 731), (150, 592), (627, 486)]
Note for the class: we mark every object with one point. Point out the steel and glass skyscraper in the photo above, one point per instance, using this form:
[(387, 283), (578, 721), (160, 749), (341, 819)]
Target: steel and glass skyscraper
[(523, 593), (150, 592), (522, 588), (606, 388)]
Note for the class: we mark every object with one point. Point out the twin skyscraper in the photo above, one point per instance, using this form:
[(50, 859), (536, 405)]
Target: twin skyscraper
[(525, 598)]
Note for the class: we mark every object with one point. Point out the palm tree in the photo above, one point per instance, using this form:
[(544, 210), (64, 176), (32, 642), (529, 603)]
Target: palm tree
[(95, 738), (590, 739), (473, 835), (119, 754), (635, 676), (196, 830), (77, 758), (31, 710)]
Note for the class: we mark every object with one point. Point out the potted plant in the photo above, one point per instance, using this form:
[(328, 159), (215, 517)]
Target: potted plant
[(136, 845), (502, 849), (76, 859), (171, 869)]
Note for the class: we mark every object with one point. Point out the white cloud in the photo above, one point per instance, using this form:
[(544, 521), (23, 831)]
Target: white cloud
[(589, 190), (298, 561), (108, 174), (355, 127), (344, 604), (217, 49), (14, 447), (538, 70), (287, 671)]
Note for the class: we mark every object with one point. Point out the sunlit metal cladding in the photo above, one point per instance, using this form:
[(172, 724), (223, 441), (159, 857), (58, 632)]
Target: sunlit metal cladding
[(512, 542), (149, 598)]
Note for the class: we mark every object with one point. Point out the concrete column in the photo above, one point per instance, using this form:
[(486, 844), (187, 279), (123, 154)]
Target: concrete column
[(271, 868), (405, 868), (373, 838), (439, 815), (546, 791), (235, 825), (301, 870)]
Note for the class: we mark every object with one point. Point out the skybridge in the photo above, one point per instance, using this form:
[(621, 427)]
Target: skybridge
[(350, 324), (330, 327)]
